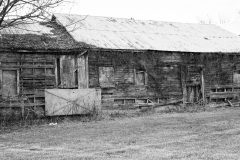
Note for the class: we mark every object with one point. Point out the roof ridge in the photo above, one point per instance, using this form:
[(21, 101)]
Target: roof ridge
[(122, 33), (141, 20)]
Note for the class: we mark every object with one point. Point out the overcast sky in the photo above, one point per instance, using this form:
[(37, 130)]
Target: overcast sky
[(189, 11)]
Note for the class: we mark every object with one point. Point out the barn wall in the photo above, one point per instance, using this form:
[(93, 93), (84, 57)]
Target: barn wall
[(31, 74), (220, 73), (220, 70), (168, 75), (25, 76), (127, 78), (124, 77)]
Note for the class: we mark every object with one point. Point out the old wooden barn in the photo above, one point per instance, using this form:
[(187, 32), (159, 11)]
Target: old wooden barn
[(135, 61), (36, 60), (73, 63)]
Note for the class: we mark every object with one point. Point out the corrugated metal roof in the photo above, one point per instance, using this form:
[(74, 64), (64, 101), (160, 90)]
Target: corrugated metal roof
[(233, 27), (119, 33)]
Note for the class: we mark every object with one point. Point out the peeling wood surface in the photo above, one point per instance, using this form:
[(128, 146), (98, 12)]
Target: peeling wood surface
[(33, 72), (180, 75), (106, 77), (9, 83), (129, 87), (83, 71), (67, 67)]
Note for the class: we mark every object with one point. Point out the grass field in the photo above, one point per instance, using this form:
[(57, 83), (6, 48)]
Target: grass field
[(206, 135)]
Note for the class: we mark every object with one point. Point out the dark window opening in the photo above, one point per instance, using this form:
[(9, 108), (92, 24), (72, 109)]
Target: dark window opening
[(76, 77), (58, 72), (130, 101), (229, 89), (220, 90), (213, 90), (118, 101), (229, 98)]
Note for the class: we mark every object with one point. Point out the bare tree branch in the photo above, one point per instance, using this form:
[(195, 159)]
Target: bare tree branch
[(208, 20), (13, 12)]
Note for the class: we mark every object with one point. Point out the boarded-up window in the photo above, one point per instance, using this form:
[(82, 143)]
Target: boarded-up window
[(72, 71), (9, 83), (236, 73), (236, 77), (140, 77), (66, 76), (106, 76), (124, 74)]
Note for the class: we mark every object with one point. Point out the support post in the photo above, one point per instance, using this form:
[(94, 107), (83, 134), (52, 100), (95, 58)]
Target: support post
[(83, 73), (203, 86), (184, 88)]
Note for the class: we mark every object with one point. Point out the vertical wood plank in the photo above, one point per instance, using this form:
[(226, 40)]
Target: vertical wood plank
[(81, 72), (67, 67), (134, 75), (18, 82), (1, 84), (202, 86), (146, 78), (56, 72), (61, 70), (86, 71), (184, 87)]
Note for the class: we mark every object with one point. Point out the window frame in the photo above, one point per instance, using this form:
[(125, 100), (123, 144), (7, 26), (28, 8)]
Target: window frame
[(136, 70), (110, 85), (1, 79)]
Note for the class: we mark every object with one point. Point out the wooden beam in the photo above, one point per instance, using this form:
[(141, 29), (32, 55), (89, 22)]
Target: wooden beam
[(87, 71), (230, 103), (184, 87), (83, 72), (202, 86), (81, 54), (1, 79)]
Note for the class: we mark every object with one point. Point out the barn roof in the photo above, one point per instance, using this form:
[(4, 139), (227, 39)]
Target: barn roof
[(233, 27), (119, 33), (37, 36)]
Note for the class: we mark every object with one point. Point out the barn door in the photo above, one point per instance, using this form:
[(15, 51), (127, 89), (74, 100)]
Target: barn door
[(82, 71), (193, 93), (72, 71), (193, 88), (10, 80)]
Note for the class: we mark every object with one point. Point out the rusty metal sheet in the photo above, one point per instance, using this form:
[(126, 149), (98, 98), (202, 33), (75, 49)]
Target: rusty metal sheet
[(72, 101), (119, 33)]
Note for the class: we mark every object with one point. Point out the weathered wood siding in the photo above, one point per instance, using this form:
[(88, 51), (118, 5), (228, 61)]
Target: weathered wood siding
[(167, 75), (35, 72), (25, 76), (160, 73), (72, 102), (219, 71)]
